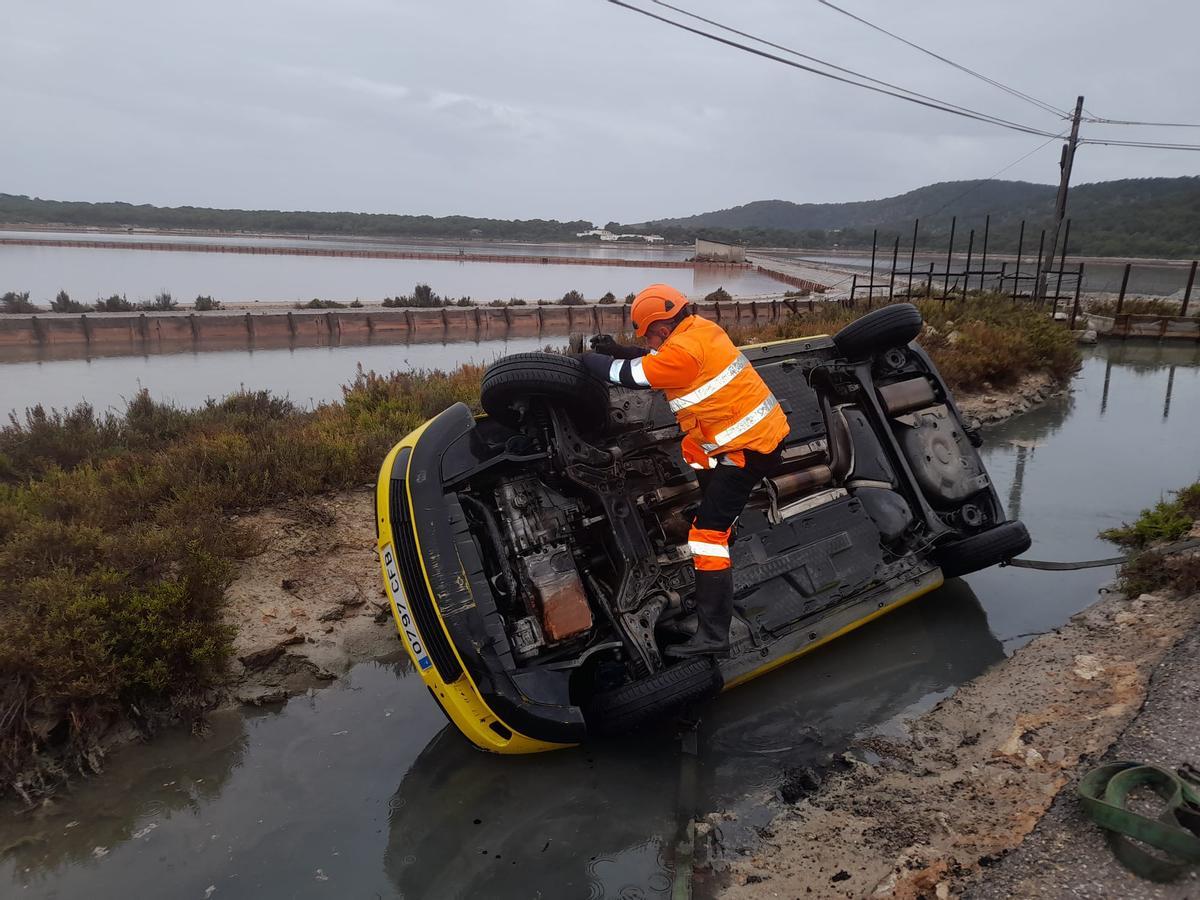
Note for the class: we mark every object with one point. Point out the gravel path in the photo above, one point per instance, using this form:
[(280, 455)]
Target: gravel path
[(1066, 856)]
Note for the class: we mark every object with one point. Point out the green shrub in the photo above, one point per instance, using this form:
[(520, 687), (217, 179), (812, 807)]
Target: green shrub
[(572, 298), (205, 303), (162, 302), (629, 298), (1168, 520), (356, 304), (63, 303), (316, 303), (608, 298), (12, 302), (720, 295), (115, 303)]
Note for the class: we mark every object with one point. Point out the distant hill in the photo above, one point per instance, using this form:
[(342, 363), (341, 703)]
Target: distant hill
[(19, 209), (1132, 217)]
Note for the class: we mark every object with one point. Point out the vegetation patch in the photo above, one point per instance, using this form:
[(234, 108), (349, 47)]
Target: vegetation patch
[(1141, 306), (982, 343), (1150, 568), (16, 302), (117, 544)]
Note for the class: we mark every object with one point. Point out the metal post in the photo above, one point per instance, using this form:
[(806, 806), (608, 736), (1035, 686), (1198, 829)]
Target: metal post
[(987, 226), (949, 255), (1124, 284), (1107, 378), (1033, 294), (1062, 263), (929, 282), (967, 270), (853, 288), (892, 277), (1020, 247), (871, 289), (912, 257), (1075, 308), (1060, 206), (1187, 293), (1003, 275)]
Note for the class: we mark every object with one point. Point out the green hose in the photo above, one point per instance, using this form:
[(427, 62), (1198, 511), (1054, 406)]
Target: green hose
[(1176, 832)]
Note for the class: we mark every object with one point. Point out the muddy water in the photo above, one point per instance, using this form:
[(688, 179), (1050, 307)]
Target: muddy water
[(361, 790)]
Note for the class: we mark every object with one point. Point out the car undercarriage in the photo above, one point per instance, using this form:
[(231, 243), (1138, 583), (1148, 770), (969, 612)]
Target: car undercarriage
[(570, 505)]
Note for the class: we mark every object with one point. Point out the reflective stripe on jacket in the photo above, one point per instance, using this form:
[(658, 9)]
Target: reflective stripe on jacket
[(718, 398)]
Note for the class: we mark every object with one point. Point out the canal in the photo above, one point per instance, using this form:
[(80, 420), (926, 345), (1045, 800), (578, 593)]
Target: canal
[(361, 790)]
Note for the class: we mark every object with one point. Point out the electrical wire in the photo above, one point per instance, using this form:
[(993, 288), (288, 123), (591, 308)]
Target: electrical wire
[(1090, 117), (1046, 107), (1097, 120), (968, 114), (1149, 145), (810, 58), (997, 174)]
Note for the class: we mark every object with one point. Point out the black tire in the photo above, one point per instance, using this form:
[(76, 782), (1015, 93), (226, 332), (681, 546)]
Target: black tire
[(511, 381), (893, 326), (996, 545), (652, 698)]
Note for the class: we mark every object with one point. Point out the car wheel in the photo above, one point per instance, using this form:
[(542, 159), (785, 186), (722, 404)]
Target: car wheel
[(510, 382), (893, 326), (652, 698), (996, 545)]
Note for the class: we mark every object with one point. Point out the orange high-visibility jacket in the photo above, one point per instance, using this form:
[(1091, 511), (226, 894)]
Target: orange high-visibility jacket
[(718, 398)]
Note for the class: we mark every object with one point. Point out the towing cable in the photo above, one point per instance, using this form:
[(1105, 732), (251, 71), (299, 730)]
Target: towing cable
[(1048, 566)]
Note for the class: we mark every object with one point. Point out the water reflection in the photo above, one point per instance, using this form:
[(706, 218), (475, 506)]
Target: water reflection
[(153, 791), (598, 821)]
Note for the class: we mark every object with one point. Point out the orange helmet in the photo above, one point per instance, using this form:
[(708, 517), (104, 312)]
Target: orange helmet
[(655, 303)]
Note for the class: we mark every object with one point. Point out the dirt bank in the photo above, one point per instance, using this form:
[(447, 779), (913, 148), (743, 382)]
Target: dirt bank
[(312, 604), (930, 813), (991, 405)]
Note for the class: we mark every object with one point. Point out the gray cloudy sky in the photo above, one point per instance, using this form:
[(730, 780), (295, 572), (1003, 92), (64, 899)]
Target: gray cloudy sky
[(561, 108)]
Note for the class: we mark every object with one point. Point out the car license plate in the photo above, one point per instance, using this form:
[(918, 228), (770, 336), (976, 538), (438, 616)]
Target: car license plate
[(408, 627)]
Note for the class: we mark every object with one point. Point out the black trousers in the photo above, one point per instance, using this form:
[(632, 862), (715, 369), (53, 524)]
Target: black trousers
[(727, 488)]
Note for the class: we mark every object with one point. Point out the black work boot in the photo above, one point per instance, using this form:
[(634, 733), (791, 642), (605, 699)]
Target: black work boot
[(714, 612)]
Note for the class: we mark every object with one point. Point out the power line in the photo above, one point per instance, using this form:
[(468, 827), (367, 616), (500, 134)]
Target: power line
[(1046, 107), (814, 59), (1102, 121), (997, 174), (968, 114), (1090, 117), (1150, 145)]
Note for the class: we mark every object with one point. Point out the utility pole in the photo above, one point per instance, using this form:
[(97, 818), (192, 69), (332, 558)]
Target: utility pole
[(1060, 208)]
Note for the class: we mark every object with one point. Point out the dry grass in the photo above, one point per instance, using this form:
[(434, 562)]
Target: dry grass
[(986, 341), (1141, 306)]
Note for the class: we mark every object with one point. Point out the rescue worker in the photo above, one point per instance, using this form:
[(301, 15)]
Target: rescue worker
[(734, 430)]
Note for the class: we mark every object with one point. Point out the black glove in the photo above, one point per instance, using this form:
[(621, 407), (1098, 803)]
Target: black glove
[(604, 343), (597, 364)]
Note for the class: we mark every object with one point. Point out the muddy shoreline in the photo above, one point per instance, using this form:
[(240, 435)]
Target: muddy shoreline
[(927, 815)]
